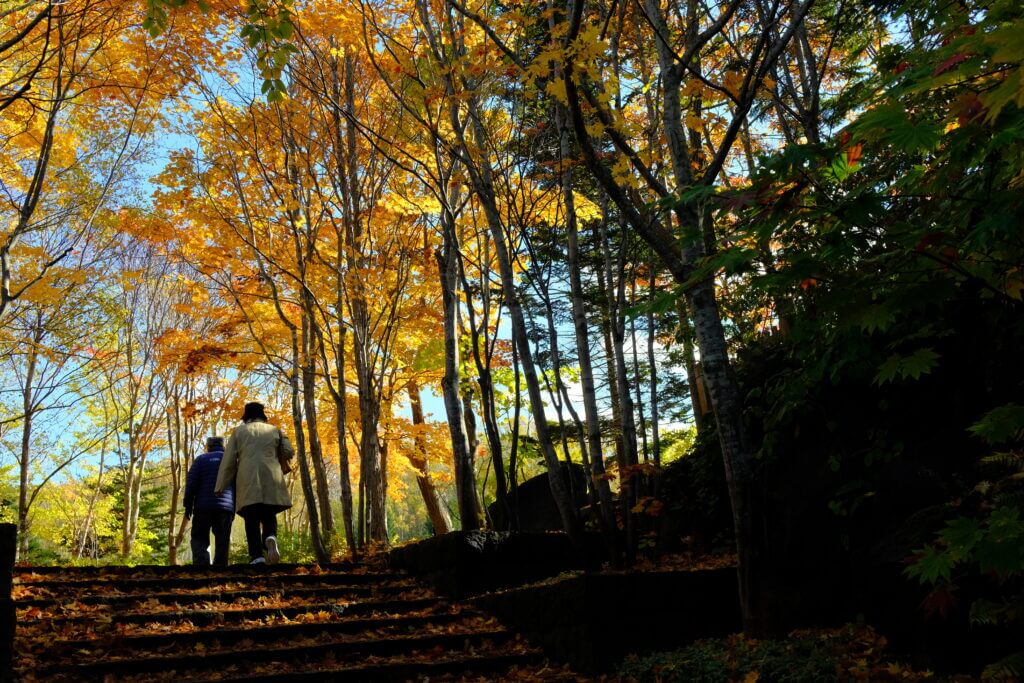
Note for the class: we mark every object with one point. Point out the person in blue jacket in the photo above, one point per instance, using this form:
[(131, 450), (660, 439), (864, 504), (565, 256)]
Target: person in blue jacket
[(209, 511)]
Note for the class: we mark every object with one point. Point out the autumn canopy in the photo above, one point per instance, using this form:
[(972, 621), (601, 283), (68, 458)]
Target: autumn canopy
[(754, 268)]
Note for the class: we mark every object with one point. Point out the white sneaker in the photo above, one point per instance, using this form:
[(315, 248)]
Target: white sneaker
[(273, 554), (258, 560)]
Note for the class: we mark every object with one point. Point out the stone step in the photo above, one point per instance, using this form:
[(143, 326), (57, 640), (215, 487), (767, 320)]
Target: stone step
[(342, 622), (469, 667), (207, 617), (199, 660), (116, 644), (42, 572), (220, 596), (125, 585)]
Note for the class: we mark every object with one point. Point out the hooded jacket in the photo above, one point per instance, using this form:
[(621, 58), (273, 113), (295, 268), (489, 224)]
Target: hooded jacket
[(199, 485)]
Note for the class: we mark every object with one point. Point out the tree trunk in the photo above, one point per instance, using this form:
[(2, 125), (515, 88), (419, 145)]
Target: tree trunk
[(698, 396), (341, 411), (737, 453), (485, 381), (175, 449), (513, 453), (637, 379), (84, 537), (560, 399), (484, 186), (613, 386), (135, 491), (362, 505), (344, 166), (371, 470), (579, 319), (382, 446), (628, 479), (653, 364), (126, 505), (465, 486), (319, 550), (28, 409), (560, 395), (438, 514), (304, 244), (370, 455), (313, 429), (477, 164), (372, 495)]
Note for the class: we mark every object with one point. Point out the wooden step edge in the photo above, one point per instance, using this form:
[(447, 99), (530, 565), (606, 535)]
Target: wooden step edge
[(121, 583), (115, 642), (219, 596), (219, 660), (118, 569), (212, 616), (398, 671)]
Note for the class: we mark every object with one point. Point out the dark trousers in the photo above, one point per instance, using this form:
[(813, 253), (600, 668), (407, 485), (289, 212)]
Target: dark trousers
[(260, 522), (203, 522)]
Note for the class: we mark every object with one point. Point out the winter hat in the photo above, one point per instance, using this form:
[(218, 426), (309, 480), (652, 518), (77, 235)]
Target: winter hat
[(253, 411)]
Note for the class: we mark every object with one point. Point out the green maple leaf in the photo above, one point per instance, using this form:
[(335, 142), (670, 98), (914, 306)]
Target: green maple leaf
[(961, 535), (876, 318), (1001, 424), (1003, 558), (878, 121), (889, 371), (916, 364), (914, 137), (1005, 524), (932, 565), (919, 363)]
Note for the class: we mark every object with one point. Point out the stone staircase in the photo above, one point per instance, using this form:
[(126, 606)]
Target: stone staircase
[(339, 622)]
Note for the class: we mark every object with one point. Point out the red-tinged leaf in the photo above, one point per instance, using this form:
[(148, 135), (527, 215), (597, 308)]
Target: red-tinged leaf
[(853, 154), (940, 602), (949, 64), (929, 239), (740, 200), (968, 108)]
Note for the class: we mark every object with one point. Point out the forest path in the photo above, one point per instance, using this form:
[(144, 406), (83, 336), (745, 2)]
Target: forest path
[(342, 622)]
